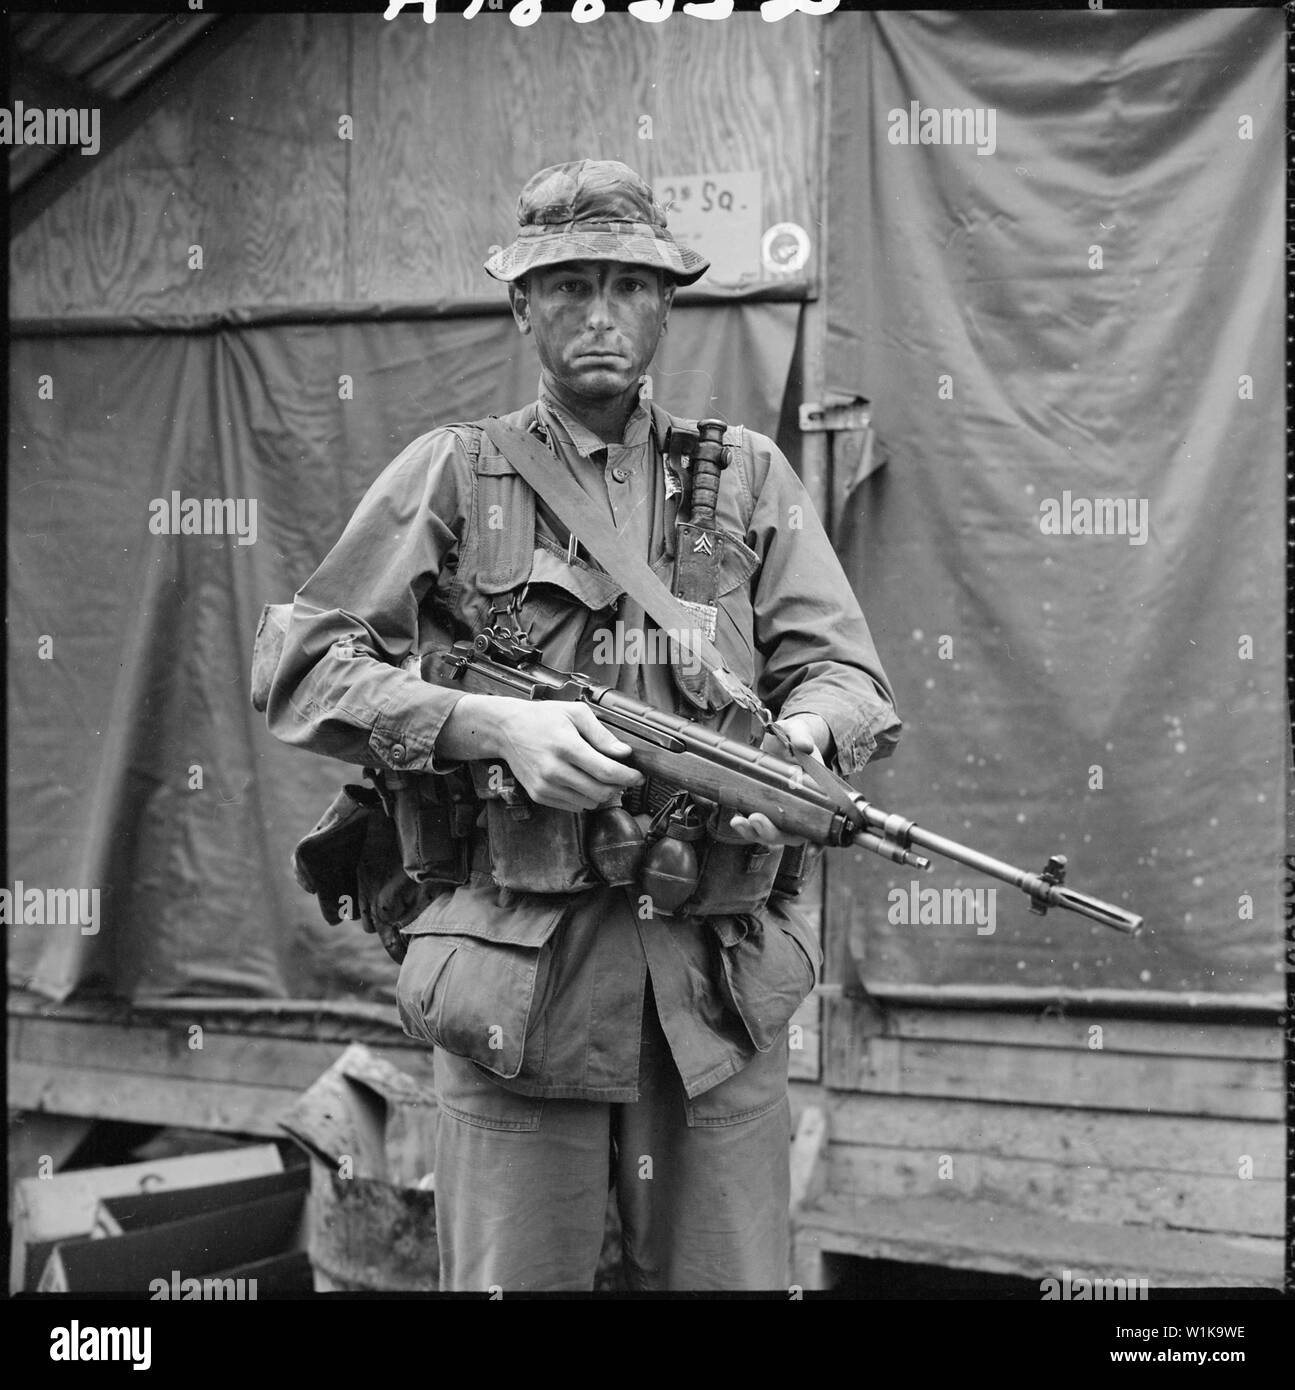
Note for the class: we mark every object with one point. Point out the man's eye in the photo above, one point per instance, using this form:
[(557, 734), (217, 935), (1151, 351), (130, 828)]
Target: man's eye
[(572, 286)]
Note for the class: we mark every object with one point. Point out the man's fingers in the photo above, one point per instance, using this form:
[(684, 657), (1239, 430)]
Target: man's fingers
[(759, 829), (594, 731), (598, 752), (565, 759), (798, 736)]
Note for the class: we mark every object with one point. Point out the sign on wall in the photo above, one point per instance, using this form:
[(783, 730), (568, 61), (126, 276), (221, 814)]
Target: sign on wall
[(718, 215)]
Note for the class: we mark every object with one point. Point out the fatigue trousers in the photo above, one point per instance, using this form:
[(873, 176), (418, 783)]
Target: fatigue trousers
[(522, 1184)]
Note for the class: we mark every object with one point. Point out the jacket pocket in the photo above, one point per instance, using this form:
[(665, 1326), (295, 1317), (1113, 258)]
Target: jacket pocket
[(562, 606), (769, 962), (475, 976)]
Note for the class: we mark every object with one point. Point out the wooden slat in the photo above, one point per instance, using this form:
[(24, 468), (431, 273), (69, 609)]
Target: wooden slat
[(1134, 1196), (154, 1100), (803, 1061), (289, 1064), (1076, 1137), (1002, 1239), (1168, 1038), (809, 1158), (1050, 1076)]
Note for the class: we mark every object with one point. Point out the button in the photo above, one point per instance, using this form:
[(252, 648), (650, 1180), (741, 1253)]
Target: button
[(620, 474), (398, 753)]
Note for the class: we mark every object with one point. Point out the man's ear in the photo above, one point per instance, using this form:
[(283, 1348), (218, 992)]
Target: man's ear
[(667, 297), (520, 304)]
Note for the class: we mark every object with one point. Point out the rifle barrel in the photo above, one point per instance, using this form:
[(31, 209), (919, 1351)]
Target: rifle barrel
[(747, 779), (1042, 891)]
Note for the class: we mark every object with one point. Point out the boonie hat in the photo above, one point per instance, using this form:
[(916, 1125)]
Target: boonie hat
[(592, 210)]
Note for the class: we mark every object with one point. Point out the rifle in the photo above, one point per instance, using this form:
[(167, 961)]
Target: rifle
[(821, 808)]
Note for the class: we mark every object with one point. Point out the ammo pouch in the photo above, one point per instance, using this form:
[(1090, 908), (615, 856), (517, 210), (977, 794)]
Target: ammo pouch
[(734, 875), (434, 815), (537, 849)]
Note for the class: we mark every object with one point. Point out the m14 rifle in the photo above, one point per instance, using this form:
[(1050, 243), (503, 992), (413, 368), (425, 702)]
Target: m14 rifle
[(800, 797)]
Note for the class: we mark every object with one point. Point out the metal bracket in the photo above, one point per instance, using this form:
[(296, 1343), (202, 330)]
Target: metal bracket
[(1054, 872), (835, 413)]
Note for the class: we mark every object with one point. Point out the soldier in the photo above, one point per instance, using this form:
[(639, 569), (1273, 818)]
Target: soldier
[(583, 1038)]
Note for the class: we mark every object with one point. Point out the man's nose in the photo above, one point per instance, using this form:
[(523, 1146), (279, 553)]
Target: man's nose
[(600, 309)]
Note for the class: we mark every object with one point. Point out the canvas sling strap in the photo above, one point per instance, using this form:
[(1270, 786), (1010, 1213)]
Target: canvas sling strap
[(576, 511)]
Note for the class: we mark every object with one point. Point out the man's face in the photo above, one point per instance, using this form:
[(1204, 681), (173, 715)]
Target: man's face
[(596, 324)]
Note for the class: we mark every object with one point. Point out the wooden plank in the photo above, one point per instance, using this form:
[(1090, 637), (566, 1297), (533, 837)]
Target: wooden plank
[(1257, 1007), (1135, 1196), (152, 1100), (290, 1064), (1002, 1239), (1104, 1033), (1108, 1139), (1049, 1076), (804, 1094), (325, 1017), (809, 1158), (805, 1041)]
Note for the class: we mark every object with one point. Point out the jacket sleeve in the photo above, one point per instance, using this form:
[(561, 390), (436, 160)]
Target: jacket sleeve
[(339, 688), (818, 655)]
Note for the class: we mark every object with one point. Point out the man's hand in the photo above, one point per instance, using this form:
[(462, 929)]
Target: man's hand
[(557, 750), (810, 734)]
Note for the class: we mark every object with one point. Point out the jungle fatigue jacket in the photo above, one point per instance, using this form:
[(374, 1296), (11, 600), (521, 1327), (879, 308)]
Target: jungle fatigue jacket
[(545, 991)]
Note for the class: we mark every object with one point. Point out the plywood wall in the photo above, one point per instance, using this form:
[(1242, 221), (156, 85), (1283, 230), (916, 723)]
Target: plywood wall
[(448, 121)]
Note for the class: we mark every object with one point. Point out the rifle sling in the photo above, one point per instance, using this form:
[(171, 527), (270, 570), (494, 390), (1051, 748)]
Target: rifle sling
[(574, 508), (576, 511)]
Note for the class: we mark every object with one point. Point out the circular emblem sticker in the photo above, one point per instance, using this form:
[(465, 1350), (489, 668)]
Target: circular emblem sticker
[(784, 248)]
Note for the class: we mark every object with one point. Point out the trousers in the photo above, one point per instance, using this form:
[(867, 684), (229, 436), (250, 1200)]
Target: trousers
[(522, 1184)]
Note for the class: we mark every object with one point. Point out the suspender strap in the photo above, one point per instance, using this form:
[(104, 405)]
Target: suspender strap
[(578, 514)]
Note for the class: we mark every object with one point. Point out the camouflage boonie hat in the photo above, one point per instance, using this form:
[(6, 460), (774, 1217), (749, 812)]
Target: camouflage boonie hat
[(592, 210)]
